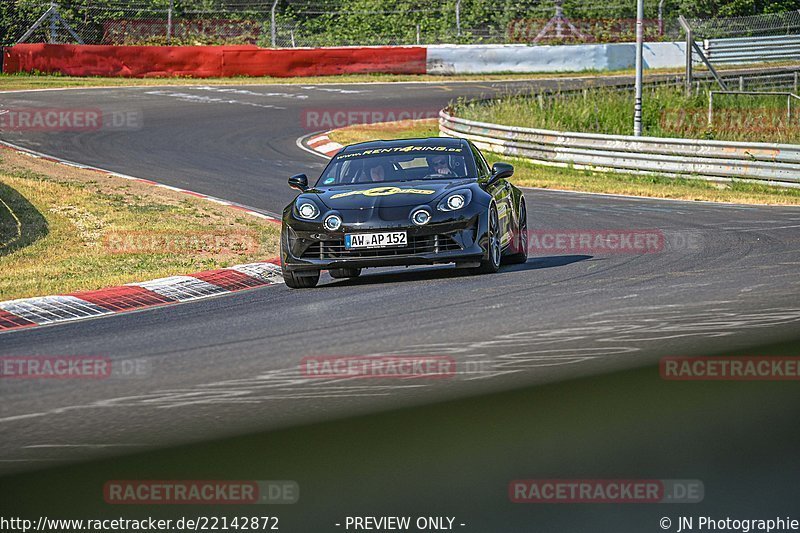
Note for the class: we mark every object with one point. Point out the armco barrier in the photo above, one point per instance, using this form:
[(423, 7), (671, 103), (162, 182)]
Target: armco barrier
[(211, 61), (778, 164), (484, 59), (753, 49)]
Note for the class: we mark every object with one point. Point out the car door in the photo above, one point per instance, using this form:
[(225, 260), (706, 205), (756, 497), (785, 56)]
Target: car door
[(503, 197)]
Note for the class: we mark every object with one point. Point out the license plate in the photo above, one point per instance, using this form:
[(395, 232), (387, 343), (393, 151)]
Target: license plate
[(375, 240)]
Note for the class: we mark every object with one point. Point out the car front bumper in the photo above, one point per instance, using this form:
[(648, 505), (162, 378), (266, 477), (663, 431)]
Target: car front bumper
[(304, 247)]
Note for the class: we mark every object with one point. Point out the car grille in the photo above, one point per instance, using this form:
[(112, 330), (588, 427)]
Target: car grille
[(424, 244)]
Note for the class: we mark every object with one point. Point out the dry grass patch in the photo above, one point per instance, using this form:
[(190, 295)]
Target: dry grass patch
[(68, 229)]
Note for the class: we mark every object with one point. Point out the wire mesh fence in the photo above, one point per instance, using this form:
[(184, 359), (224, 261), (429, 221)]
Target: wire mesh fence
[(770, 24), (296, 23), (300, 23), (755, 39)]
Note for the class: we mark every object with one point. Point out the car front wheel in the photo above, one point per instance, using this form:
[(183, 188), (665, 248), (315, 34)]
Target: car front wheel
[(521, 244), (295, 281), (491, 263)]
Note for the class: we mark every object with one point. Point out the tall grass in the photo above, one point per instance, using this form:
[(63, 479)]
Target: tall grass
[(666, 112)]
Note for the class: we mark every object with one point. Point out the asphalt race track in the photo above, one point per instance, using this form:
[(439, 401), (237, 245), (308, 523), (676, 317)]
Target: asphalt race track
[(727, 279)]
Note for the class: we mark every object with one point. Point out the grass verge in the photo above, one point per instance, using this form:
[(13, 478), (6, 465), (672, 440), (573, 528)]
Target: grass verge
[(64, 229), (10, 82), (24, 81), (531, 175)]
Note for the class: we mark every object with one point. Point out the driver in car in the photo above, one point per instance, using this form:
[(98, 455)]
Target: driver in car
[(438, 165)]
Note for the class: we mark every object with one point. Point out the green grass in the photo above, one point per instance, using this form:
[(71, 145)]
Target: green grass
[(667, 112), (532, 175), (53, 81), (38, 80), (44, 81), (64, 229)]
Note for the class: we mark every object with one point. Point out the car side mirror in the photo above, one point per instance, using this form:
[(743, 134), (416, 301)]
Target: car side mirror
[(299, 182), (501, 171)]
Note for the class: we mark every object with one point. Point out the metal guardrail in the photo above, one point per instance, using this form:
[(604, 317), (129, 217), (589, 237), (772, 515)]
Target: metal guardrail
[(772, 163), (789, 81), (752, 49)]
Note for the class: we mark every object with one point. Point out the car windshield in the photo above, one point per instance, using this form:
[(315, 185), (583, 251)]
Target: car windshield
[(397, 164)]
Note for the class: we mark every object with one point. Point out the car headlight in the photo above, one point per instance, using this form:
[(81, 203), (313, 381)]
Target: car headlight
[(307, 210), (332, 222), (455, 201), (420, 217)]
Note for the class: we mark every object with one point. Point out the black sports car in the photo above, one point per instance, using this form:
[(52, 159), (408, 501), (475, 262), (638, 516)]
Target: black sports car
[(403, 202)]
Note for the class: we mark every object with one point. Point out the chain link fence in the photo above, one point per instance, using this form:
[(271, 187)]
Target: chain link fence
[(755, 39), (302, 23), (769, 24)]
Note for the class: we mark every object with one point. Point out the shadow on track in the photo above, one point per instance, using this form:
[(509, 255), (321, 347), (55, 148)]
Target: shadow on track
[(449, 272), (536, 263)]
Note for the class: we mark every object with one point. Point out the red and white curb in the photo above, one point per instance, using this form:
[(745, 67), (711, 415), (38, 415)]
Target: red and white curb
[(322, 144), (234, 205), (44, 310)]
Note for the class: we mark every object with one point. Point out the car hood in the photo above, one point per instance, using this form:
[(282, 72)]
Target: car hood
[(394, 194)]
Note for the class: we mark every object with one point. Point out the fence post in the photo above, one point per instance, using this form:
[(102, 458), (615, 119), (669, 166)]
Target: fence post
[(272, 28), (53, 20), (795, 82), (710, 108), (458, 18), (741, 83), (689, 44), (789, 107), (169, 21), (637, 105)]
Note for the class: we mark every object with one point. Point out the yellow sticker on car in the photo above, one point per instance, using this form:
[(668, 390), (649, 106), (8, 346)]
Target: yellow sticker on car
[(382, 191)]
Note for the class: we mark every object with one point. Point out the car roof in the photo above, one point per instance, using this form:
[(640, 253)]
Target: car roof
[(424, 141)]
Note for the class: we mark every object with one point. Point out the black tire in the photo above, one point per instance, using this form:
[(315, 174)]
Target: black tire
[(521, 244), (491, 264), (294, 281)]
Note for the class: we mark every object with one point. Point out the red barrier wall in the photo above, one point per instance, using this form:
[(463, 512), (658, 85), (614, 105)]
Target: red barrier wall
[(323, 61), (210, 61)]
